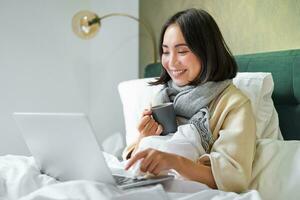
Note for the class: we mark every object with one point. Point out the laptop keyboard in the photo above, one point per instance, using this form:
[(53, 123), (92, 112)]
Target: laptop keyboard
[(121, 180)]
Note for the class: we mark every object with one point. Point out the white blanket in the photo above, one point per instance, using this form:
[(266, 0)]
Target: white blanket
[(20, 179), (185, 142)]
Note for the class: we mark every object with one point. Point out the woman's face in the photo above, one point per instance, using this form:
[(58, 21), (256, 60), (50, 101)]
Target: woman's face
[(179, 61)]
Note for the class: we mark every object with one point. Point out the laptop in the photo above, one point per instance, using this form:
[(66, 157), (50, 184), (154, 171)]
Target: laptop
[(65, 147)]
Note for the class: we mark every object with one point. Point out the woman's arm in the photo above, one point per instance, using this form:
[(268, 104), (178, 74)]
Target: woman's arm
[(232, 154), (195, 171), (230, 162), (155, 161)]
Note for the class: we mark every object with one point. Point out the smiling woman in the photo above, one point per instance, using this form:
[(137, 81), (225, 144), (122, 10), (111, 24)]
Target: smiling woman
[(178, 60), (214, 117), (195, 37)]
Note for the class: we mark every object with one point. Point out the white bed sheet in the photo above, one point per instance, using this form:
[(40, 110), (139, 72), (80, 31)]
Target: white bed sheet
[(20, 179)]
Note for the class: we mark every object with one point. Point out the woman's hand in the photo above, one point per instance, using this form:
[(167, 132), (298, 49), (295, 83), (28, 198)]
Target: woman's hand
[(148, 126), (154, 161)]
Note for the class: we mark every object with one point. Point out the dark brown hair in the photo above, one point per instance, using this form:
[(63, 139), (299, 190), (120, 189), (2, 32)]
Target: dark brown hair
[(205, 40)]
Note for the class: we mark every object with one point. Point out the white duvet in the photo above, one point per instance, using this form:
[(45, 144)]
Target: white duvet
[(276, 175), (21, 179)]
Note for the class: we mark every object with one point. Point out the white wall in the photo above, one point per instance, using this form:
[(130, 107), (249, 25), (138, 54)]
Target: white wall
[(114, 59), (44, 67)]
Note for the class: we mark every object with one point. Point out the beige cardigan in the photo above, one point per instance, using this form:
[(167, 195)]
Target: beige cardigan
[(233, 127)]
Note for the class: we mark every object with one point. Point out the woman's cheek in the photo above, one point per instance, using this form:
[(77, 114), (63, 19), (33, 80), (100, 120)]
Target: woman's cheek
[(165, 64)]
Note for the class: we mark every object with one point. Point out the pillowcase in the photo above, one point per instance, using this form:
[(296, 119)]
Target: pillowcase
[(136, 95), (258, 87)]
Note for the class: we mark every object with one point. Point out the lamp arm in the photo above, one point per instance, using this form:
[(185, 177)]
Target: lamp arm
[(141, 22)]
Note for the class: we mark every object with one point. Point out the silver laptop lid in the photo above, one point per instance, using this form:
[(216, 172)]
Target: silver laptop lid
[(64, 145)]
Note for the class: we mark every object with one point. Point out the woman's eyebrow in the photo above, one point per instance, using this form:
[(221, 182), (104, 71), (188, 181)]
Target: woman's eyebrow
[(177, 45), (180, 45)]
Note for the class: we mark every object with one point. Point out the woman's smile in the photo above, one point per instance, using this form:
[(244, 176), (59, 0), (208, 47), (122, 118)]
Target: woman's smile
[(177, 73)]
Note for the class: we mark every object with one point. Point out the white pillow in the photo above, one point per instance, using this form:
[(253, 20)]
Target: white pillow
[(259, 86), (136, 95), (276, 171)]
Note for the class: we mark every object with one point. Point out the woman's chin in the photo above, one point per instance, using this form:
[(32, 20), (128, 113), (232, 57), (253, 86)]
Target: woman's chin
[(180, 83)]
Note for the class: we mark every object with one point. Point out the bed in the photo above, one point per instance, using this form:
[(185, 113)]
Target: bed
[(276, 173)]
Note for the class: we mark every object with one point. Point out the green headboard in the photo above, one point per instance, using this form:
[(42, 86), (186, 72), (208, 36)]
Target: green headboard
[(285, 69)]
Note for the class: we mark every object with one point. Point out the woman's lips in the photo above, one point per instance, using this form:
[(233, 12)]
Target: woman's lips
[(177, 73)]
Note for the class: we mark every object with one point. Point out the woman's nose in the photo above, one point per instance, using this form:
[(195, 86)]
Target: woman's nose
[(173, 60)]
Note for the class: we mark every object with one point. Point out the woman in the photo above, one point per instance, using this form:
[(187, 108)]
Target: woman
[(197, 71)]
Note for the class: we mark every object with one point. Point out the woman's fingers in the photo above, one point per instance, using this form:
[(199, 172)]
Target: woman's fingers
[(149, 125), (144, 121), (146, 112), (147, 161), (159, 130), (152, 165), (136, 157), (153, 161), (156, 170), (153, 128)]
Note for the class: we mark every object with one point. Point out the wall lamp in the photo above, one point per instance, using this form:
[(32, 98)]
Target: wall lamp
[(86, 25)]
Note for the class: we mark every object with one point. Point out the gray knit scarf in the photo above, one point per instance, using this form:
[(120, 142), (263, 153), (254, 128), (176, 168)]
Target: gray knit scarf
[(191, 103)]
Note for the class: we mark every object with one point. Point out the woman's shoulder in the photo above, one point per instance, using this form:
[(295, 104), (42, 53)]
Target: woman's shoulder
[(231, 97), (232, 92)]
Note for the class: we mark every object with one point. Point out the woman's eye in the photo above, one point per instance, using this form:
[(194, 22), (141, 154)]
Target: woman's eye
[(165, 53), (183, 52)]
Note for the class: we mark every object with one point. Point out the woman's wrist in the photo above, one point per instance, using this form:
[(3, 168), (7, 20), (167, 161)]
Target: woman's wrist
[(178, 163), (194, 171)]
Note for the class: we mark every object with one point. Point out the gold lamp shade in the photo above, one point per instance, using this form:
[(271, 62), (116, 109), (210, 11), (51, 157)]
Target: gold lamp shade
[(86, 24)]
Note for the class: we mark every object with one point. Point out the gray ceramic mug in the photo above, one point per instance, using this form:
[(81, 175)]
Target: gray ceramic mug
[(164, 114)]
